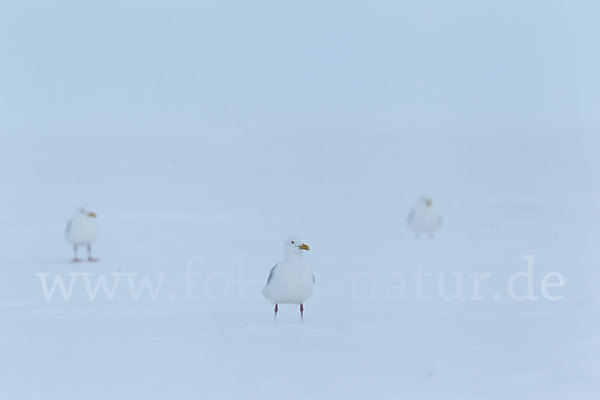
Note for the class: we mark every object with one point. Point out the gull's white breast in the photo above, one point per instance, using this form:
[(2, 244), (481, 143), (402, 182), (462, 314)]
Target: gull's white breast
[(81, 230), (424, 219), (290, 282)]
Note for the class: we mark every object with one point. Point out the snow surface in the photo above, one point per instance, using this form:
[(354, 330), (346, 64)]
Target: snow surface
[(205, 133), (176, 200)]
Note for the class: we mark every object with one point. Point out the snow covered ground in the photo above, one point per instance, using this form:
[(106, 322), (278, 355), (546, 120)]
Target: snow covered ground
[(176, 199), (203, 133)]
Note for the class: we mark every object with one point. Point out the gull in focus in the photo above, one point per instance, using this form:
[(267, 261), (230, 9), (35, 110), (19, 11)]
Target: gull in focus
[(423, 218), (290, 280), (82, 230)]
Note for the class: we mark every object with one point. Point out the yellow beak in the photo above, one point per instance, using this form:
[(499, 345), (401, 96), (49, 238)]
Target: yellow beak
[(91, 214), (304, 246)]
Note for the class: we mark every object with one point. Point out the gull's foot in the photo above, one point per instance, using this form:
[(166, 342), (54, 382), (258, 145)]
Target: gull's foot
[(90, 259), (76, 260)]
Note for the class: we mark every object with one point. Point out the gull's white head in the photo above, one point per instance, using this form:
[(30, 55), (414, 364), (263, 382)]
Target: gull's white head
[(426, 201), (82, 212), (294, 245)]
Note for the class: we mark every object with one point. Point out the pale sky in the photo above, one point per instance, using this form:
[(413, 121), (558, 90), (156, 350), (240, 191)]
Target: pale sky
[(262, 66)]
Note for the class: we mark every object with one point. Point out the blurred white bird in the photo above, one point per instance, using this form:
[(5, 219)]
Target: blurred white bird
[(82, 230), (290, 280), (423, 218)]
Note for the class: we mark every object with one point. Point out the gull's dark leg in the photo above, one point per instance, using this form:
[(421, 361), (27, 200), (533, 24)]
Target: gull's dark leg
[(89, 251), (301, 312), (75, 259), (276, 309)]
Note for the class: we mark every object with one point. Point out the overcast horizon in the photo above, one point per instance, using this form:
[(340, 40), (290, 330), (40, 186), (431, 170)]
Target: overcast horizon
[(264, 67)]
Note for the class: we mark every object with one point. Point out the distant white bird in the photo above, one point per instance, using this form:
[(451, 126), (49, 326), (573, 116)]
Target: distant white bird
[(290, 280), (423, 218), (82, 230)]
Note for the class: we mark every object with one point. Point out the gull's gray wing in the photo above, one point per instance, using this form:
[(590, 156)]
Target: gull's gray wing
[(313, 279), (271, 273), (68, 228)]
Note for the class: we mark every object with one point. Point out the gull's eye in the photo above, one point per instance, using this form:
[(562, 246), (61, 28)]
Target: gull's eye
[(292, 242)]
